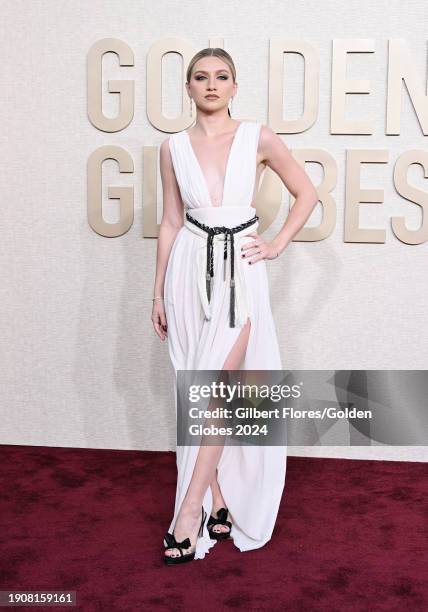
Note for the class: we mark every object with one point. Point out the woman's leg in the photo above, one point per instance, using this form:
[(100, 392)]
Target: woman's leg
[(232, 363), (204, 473)]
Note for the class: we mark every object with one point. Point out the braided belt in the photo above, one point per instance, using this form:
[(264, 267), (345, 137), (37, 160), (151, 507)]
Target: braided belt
[(229, 233)]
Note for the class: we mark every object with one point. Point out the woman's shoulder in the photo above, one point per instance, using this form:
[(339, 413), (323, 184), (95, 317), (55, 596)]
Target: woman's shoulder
[(167, 146), (173, 140), (263, 132), (267, 136), (169, 141), (177, 135), (265, 128)]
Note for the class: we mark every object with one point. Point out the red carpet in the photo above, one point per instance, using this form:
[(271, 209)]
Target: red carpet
[(351, 535)]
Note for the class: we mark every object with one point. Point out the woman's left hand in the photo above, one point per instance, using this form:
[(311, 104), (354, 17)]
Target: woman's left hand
[(258, 249)]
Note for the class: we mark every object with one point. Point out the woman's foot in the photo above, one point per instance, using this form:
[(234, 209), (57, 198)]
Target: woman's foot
[(187, 528), (218, 526)]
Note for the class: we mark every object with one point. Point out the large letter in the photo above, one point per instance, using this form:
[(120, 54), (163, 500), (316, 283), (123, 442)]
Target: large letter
[(401, 67), (328, 221), (276, 86), (124, 88), (355, 195), (341, 86), (416, 236), (154, 85), (125, 195)]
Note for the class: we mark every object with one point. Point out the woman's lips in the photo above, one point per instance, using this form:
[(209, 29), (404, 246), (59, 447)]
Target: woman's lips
[(211, 97)]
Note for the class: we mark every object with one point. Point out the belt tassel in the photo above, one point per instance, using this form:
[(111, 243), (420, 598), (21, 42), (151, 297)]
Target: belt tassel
[(210, 265), (232, 282), (225, 256)]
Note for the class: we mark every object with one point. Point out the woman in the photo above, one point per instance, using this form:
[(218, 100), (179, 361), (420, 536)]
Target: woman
[(213, 303)]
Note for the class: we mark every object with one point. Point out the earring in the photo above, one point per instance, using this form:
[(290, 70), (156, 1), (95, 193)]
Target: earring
[(231, 104), (191, 111)]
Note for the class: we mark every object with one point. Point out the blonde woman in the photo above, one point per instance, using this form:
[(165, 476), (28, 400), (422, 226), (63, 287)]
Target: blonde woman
[(211, 299)]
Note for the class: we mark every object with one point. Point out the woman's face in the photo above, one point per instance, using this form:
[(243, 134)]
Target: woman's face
[(211, 76)]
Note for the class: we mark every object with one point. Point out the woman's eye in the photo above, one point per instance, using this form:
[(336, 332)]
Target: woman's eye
[(222, 76)]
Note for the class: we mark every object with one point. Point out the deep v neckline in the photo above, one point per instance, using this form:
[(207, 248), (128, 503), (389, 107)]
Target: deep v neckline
[(226, 173)]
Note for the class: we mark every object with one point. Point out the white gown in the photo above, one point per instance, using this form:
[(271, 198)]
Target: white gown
[(251, 478)]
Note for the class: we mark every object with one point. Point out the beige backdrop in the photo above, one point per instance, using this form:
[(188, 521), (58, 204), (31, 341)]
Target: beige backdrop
[(81, 365)]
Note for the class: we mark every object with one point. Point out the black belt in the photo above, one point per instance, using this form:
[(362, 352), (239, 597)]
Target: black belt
[(228, 231)]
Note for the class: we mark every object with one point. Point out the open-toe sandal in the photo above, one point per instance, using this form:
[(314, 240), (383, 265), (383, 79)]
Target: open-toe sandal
[(220, 520), (170, 542)]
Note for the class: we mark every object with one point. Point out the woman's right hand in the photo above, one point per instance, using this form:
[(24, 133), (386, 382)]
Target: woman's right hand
[(159, 319)]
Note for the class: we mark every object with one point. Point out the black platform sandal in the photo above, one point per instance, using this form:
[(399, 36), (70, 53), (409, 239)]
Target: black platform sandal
[(171, 542), (220, 520)]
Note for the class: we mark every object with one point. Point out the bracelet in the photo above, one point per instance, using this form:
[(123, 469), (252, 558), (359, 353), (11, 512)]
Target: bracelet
[(158, 297)]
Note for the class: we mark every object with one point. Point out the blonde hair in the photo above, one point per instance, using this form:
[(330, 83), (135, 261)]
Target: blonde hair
[(211, 52)]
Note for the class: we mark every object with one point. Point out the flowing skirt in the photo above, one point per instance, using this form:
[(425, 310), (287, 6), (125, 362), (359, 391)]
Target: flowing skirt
[(251, 478)]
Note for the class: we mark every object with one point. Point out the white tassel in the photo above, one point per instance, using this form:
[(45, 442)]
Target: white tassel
[(201, 262), (241, 298)]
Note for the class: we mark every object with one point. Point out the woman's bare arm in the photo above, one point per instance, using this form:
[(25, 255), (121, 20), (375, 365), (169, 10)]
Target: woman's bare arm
[(172, 216), (171, 223), (278, 157)]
